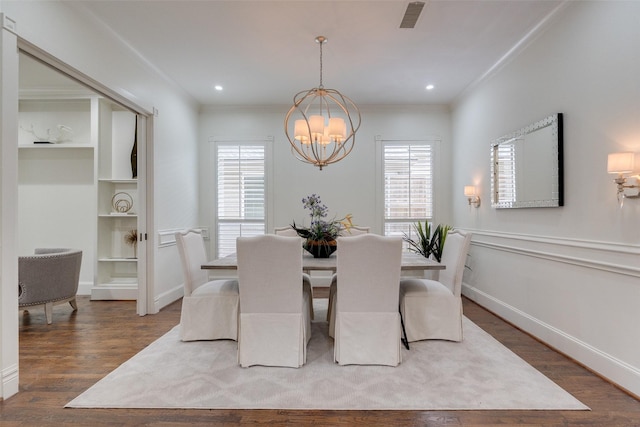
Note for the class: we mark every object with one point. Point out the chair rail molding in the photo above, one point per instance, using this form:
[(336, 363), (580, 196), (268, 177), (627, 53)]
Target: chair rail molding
[(607, 256), (9, 24)]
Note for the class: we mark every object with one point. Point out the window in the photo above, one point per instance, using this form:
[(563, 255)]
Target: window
[(407, 169), (240, 196)]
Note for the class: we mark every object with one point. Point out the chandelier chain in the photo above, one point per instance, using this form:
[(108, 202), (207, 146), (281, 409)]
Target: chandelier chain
[(321, 43)]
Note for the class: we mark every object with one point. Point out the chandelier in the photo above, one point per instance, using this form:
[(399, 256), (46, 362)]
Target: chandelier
[(321, 125)]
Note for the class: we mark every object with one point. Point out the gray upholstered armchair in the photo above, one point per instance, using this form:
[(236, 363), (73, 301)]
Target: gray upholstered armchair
[(49, 277)]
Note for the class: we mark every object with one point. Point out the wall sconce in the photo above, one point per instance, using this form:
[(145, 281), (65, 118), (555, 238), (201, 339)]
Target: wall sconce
[(472, 197), (621, 164)]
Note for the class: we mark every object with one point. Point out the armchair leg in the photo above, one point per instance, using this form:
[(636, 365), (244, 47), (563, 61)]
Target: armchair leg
[(48, 311), (74, 305)]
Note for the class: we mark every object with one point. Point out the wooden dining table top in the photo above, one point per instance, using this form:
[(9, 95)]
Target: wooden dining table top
[(410, 261)]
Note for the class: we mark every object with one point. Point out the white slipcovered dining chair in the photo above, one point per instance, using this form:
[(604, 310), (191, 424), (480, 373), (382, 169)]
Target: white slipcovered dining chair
[(432, 309), (367, 321), (275, 323), (354, 230), (209, 307), (306, 277)]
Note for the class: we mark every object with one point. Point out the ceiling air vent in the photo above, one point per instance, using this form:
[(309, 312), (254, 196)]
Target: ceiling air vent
[(412, 14)]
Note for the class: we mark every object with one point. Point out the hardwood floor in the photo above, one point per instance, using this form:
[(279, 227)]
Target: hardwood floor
[(61, 360)]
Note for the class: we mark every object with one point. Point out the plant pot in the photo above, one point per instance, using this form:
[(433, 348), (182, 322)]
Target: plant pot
[(320, 249)]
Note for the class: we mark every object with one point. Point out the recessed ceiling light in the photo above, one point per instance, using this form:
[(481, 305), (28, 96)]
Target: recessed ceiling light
[(429, 87), (218, 87)]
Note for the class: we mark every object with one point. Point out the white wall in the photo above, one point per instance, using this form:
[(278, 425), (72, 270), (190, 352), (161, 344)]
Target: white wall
[(347, 186), (57, 203), (568, 275)]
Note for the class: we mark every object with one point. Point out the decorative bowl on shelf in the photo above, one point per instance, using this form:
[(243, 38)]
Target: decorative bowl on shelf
[(122, 202)]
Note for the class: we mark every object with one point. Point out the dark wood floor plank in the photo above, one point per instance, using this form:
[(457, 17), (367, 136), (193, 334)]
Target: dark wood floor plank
[(61, 360)]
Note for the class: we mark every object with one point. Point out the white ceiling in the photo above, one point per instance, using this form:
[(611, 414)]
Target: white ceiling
[(263, 52)]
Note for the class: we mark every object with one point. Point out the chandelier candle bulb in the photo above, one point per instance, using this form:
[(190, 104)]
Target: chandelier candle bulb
[(317, 125), (301, 132), (337, 129), (326, 139)]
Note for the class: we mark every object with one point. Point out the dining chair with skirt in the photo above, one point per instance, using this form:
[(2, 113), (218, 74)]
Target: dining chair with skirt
[(367, 321), (306, 277), (354, 230), (209, 307), (432, 309), (275, 322)]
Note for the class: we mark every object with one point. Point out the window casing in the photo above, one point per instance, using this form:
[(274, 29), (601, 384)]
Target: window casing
[(241, 188), (407, 169)]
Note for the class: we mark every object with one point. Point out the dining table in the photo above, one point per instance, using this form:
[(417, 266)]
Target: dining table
[(410, 262)]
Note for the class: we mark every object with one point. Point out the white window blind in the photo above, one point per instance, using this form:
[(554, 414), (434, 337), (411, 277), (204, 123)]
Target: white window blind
[(240, 193), (408, 185)]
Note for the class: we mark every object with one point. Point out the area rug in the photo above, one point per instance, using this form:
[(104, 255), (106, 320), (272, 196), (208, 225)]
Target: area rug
[(478, 373)]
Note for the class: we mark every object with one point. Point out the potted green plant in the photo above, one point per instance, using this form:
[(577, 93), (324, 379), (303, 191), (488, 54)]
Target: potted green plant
[(427, 243)]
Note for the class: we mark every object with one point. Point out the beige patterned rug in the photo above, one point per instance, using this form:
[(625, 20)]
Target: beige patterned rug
[(479, 373)]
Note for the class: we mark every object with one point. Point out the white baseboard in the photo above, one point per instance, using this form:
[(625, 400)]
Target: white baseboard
[(168, 297), (120, 293), (605, 365), (9, 379), (84, 288)]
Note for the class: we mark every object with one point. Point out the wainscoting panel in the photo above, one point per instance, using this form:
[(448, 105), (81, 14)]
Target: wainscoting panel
[(580, 297)]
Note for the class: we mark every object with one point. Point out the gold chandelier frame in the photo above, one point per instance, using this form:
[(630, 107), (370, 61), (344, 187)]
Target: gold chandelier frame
[(330, 141)]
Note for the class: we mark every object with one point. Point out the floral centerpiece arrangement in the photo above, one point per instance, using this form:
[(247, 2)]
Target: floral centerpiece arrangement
[(320, 236)]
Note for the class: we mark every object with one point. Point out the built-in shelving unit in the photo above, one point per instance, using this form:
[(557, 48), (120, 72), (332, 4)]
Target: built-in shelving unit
[(67, 188), (117, 255)]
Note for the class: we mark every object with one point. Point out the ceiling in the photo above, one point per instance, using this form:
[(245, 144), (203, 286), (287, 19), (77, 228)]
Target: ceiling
[(263, 52)]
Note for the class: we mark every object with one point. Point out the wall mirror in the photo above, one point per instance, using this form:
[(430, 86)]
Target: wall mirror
[(526, 166)]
